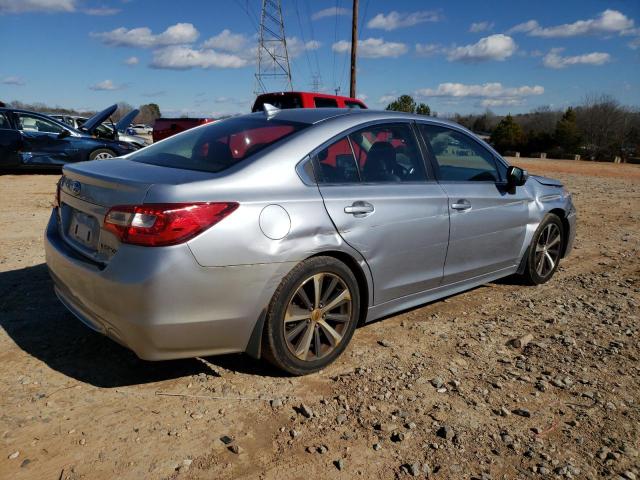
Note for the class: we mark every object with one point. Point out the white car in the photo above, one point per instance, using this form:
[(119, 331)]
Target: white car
[(141, 128)]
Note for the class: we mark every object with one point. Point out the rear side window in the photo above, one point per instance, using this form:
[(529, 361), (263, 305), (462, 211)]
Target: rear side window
[(219, 145), (378, 154), (335, 164), (321, 102)]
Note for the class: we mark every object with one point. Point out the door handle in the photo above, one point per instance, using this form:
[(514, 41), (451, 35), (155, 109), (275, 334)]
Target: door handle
[(359, 208), (461, 205)]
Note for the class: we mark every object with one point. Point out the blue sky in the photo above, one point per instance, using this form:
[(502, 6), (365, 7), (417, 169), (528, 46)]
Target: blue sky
[(198, 58)]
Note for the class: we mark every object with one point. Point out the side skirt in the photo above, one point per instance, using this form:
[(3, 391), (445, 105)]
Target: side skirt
[(416, 299)]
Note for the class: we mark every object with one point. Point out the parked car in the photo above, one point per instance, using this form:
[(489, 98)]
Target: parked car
[(283, 100), (141, 129), (30, 139), (107, 130), (277, 233), (166, 127)]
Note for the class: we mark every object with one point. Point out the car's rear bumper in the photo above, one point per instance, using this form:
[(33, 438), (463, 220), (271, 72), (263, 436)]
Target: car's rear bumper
[(158, 301)]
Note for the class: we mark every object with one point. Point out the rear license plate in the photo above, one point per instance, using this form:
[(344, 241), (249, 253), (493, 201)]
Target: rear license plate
[(83, 229)]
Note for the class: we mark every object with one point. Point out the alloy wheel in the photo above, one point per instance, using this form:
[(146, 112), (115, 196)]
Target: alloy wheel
[(318, 316), (547, 251), (103, 156)]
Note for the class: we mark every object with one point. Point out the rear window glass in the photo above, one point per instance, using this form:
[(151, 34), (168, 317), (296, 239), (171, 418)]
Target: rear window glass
[(322, 102), (217, 146), (278, 101)]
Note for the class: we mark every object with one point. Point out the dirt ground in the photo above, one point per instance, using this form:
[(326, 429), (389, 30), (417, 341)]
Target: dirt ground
[(436, 391)]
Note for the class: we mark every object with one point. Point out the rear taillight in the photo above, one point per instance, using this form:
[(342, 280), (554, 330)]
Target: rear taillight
[(161, 224)]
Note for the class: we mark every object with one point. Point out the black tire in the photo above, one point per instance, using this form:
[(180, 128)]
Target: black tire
[(275, 348), (532, 274), (101, 152)]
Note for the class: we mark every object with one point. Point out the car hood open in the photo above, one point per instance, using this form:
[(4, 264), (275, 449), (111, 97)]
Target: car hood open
[(125, 121), (94, 122)]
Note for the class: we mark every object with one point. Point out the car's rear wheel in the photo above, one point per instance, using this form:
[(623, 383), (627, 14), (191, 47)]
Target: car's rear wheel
[(545, 251), (312, 316), (101, 154)]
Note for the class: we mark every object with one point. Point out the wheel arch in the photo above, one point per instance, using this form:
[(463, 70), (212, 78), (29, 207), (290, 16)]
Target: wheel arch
[(254, 346), (566, 228)]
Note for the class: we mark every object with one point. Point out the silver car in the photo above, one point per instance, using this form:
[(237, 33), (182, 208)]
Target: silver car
[(276, 233)]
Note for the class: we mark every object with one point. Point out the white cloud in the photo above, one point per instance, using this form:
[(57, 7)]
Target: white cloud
[(494, 47), (178, 34), (428, 49), (554, 59), (490, 94), (500, 102), (183, 58), (295, 47), (227, 41), (481, 27), (101, 11), (13, 80), (132, 61), (372, 48), (634, 44), (609, 21), (331, 12), (106, 85), (49, 6), (386, 99), (395, 20)]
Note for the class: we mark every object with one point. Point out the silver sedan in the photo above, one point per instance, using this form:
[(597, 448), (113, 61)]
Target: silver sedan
[(277, 233)]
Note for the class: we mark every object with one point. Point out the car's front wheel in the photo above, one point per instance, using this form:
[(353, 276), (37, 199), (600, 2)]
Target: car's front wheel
[(312, 316), (101, 154), (545, 251)]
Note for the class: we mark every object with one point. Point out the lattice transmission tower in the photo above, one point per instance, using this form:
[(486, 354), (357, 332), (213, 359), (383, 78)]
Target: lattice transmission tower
[(273, 59)]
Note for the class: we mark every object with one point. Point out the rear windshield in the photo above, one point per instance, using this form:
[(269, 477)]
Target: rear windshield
[(217, 146), (278, 101)]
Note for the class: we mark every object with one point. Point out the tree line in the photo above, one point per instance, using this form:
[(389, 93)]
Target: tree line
[(599, 128), (149, 112)]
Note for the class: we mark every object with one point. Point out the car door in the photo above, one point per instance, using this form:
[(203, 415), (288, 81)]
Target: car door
[(45, 142), (10, 142), (488, 223), (378, 194)]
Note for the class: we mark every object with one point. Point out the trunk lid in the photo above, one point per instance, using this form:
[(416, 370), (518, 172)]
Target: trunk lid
[(89, 189)]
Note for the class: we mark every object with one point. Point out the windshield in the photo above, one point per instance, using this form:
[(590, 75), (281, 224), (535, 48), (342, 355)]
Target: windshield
[(217, 146)]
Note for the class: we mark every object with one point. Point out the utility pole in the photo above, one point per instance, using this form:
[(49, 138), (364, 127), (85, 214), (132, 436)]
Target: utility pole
[(273, 58), (354, 48)]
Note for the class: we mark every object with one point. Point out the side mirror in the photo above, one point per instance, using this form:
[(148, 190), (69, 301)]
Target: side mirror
[(516, 176), (63, 134)]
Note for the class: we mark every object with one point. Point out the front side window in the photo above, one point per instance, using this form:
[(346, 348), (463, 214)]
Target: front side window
[(388, 153), (458, 157), (321, 102), (218, 145), (34, 123)]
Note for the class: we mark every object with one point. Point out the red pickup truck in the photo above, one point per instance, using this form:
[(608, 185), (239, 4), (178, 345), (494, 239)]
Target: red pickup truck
[(165, 127), (305, 100)]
